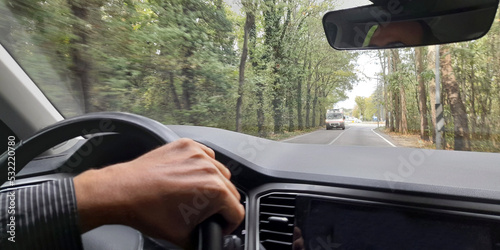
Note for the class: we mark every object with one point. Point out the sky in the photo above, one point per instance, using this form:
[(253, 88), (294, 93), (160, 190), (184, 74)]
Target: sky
[(366, 85), (345, 4), (367, 65)]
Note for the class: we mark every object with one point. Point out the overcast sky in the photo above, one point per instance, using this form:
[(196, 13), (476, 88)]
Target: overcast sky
[(367, 65), (365, 87)]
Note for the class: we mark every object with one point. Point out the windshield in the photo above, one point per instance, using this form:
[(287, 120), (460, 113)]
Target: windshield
[(261, 68), (334, 116)]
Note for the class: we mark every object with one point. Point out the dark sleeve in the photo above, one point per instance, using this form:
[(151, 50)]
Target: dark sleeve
[(40, 217)]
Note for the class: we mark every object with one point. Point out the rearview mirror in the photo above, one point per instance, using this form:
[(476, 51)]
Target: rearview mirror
[(405, 23)]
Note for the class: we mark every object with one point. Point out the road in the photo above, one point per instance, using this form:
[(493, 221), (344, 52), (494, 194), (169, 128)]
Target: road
[(355, 134)]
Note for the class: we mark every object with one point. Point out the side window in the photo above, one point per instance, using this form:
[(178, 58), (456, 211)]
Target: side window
[(5, 132)]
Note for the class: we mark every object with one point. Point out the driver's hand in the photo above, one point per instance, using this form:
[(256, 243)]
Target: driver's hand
[(164, 193)]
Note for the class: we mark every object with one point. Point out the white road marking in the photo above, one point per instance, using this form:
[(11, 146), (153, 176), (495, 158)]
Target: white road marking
[(336, 138), (390, 143)]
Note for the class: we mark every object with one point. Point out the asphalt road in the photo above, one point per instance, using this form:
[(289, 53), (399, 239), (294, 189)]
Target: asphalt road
[(355, 134)]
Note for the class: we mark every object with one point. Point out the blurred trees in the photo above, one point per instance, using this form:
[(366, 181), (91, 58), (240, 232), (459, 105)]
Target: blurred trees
[(361, 104), (470, 92), (184, 61)]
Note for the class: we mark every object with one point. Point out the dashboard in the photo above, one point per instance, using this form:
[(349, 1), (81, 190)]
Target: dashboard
[(297, 217), (300, 196), (326, 197)]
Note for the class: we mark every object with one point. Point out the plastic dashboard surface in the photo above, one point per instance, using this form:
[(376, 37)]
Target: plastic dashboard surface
[(460, 187), (471, 175)]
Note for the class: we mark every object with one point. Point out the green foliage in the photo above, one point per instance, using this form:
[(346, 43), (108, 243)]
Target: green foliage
[(361, 102), (177, 60), (475, 68)]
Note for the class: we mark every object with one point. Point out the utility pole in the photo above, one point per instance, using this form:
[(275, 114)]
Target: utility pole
[(439, 106)]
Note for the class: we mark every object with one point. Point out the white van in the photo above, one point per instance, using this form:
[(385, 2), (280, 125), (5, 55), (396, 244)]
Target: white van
[(335, 120)]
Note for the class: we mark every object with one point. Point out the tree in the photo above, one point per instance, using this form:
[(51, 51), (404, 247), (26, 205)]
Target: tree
[(249, 25), (385, 81), (176, 62), (431, 65), (361, 102), (422, 97), (461, 131), (275, 27), (403, 124)]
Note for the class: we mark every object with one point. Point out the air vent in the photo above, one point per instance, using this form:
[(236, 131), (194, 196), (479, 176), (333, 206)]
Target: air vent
[(276, 221)]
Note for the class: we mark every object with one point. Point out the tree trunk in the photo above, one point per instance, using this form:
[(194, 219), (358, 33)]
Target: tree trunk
[(308, 96), (403, 123), (396, 96), (321, 116), (289, 104), (81, 64), (274, 32), (397, 111), (315, 102), (383, 63), (173, 91), (300, 121), (241, 78), (387, 94), (392, 125), (404, 111), (422, 100), (259, 92), (390, 95), (260, 109), (188, 84), (277, 107), (431, 65), (474, 124), (188, 87), (461, 125)]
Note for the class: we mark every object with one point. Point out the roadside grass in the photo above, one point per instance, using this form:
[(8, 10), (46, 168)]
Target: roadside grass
[(410, 140), (286, 134)]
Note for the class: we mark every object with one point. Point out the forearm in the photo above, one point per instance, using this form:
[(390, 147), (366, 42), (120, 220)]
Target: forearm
[(40, 217), (99, 198)]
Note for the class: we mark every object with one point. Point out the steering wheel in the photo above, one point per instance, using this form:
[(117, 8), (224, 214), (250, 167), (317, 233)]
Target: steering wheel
[(209, 232)]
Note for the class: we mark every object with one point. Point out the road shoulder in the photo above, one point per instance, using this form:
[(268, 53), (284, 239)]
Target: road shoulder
[(288, 136), (408, 140)]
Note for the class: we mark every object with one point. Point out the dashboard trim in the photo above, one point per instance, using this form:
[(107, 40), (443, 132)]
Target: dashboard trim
[(425, 204)]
